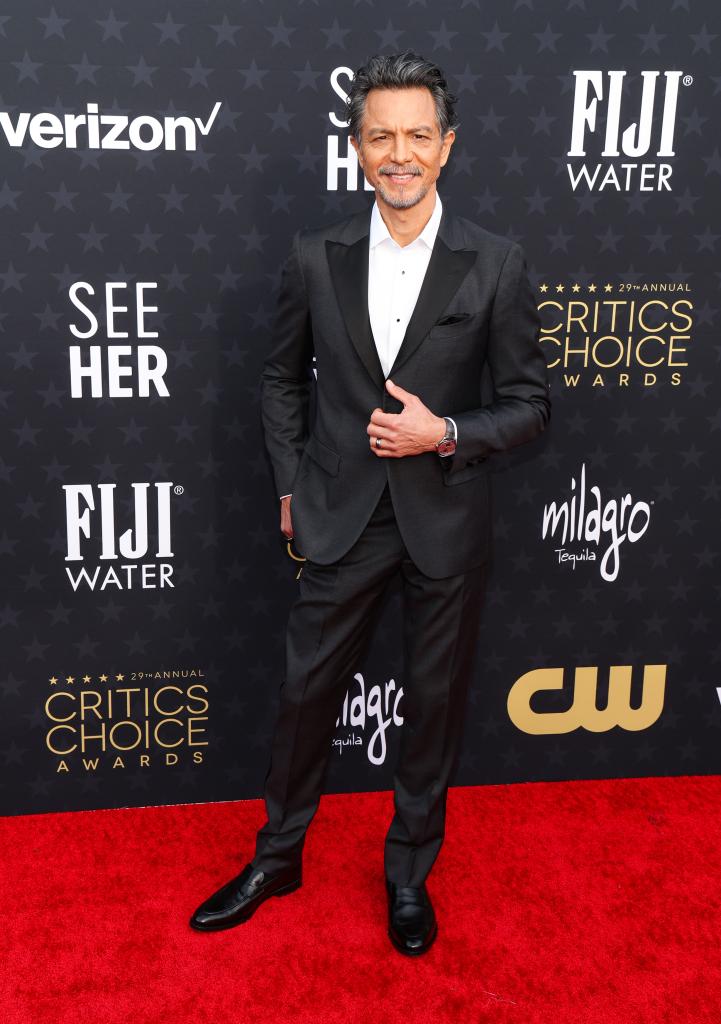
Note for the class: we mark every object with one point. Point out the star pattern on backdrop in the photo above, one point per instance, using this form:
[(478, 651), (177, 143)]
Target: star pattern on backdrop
[(212, 227)]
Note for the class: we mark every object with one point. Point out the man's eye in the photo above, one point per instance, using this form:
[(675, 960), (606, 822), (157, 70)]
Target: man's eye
[(421, 136)]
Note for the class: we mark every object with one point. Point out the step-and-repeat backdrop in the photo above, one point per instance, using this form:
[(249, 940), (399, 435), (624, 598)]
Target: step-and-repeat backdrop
[(156, 161)]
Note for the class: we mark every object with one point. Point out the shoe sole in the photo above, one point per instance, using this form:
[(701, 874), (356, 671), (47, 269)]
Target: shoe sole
[(415, 952), (222, 926)]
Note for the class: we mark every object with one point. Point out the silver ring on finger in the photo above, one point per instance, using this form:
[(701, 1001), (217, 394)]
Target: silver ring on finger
[(378, 442)]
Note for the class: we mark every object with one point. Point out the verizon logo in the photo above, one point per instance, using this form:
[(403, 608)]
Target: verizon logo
[(93, 130)]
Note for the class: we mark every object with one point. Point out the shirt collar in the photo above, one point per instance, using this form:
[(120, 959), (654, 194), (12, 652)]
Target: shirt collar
[(379, 232)]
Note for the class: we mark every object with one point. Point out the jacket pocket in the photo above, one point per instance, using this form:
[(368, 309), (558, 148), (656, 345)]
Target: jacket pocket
[(472, 469), (456, 324), (452, 318), (326, 457)]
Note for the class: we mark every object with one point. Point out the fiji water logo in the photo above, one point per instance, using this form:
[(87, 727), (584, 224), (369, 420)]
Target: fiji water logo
[(103, 554), (591, 529), (637, 130)]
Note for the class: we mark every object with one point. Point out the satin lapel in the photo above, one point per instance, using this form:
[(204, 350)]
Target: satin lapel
[(349, 272), (446, 269)]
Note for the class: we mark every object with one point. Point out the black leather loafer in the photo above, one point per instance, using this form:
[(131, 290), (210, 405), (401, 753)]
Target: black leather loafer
[(239, 898), (412, 925)]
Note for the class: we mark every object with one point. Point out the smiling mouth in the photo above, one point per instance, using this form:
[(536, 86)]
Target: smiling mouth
[(402, 179)]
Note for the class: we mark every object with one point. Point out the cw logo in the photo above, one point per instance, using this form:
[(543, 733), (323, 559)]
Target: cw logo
[(583, 713)]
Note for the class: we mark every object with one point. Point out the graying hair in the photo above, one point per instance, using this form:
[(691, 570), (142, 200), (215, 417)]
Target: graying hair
[(400, 71)]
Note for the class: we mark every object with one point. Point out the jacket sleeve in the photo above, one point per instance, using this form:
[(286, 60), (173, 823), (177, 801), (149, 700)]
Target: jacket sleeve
[(521, 406), (286, 378)]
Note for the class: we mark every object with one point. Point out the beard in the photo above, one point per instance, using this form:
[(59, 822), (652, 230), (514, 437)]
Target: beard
[(404, 198)]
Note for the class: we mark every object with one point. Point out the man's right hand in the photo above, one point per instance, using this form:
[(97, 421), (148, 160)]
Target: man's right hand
[(286, 525)]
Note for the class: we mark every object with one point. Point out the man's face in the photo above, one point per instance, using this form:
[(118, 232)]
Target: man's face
[(401, 150)]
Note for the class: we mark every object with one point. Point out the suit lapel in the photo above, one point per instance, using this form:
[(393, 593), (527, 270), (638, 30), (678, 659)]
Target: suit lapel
[(446, 269), (448, 265), (349, 271)]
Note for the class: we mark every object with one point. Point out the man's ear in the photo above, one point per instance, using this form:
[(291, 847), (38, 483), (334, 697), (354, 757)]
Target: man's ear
[(448, 140)]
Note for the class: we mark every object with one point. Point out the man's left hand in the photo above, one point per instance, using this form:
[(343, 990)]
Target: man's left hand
[(414, 430)]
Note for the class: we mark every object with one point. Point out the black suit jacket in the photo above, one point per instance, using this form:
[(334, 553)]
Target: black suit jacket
[(475, 316)]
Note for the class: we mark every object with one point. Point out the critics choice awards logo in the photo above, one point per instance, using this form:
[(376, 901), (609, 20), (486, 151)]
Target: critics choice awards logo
[(631, 333), (119, 720)]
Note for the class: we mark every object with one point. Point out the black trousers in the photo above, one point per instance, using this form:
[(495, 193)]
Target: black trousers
[(328, 632)]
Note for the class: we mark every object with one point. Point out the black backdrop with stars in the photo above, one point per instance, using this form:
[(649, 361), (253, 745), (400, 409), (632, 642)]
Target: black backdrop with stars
[(208, 224)]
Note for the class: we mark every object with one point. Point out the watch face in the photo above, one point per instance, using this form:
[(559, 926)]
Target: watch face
[(447, 446)]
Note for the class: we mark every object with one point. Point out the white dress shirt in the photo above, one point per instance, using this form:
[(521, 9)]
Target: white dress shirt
[(395, 276)]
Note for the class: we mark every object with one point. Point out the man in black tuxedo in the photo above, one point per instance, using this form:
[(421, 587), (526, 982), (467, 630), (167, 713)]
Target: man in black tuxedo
[(411, 311)]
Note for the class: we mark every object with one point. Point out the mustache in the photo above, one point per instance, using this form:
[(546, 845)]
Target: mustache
[(399, 170)]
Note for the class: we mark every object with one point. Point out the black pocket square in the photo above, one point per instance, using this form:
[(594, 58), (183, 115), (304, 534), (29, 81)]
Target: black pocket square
[(452, 318)]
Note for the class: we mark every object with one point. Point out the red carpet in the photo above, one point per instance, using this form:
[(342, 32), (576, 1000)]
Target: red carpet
[(558, 903)]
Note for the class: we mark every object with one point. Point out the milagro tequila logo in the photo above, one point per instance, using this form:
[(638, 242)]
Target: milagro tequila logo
[(90, 514), (375, 708), (599, 92), (93, 130), (590, 529)]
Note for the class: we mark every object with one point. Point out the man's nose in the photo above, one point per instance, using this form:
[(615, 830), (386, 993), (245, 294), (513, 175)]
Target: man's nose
[(401, 151)]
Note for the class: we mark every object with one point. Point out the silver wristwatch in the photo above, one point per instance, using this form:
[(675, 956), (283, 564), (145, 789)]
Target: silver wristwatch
[(447, 444)]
